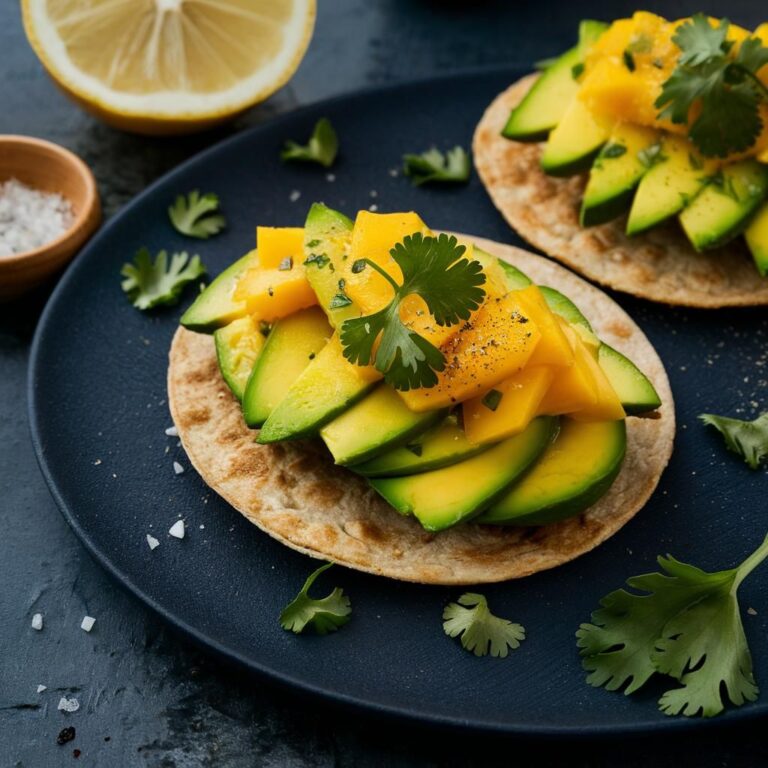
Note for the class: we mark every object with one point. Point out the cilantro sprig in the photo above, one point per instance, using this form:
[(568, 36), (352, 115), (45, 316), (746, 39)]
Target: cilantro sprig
[(322, 147), (149, 284), (195, 215), (685, 624), (432, 165), (724, 84), (324, 615), (479, 630), (434, 269), (747, 438)]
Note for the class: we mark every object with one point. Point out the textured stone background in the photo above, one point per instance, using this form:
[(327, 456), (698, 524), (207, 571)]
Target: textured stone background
[(148, 697)]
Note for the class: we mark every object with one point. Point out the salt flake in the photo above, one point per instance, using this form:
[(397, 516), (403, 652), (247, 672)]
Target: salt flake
[(41, 688), (177, 468), (68, 705), (87, 623), (177, 529), (172, 432), (153, 542), (37, 621)]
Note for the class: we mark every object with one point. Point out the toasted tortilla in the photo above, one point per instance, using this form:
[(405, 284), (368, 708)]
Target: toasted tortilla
[(660, 264), (295, 493)]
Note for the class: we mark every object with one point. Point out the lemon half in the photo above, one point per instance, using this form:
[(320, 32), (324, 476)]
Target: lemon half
[(169, 66)]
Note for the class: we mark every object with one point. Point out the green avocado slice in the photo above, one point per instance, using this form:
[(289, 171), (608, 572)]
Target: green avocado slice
[(575, 471), (216, 307), (444, 497), (756, 235), (238, 346), (374, 425), (292, 344)]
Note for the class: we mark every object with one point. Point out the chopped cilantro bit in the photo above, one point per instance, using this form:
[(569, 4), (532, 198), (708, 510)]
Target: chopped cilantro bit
[(193, 215), (313, 243), (686, 624), (434, 269), (651, 155), (433, 165), (285, 265), (479, 630), (577, 70), (611, 151), (358, 266), (629, 60), (747, 438), (149, 284), (322, 147), (492, 399), (318, 259), (340, 300), (324, 615)]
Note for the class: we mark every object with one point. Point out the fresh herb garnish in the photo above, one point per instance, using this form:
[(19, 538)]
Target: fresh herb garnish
[(358, 266), (324, 615), (629, 60), (318, 259), (432, 268), (577, 70), (611, 151), (651, 155), (340, 299), (686, 625), (726, 87), (433, 165), (492, 399), (480, 631), (149, 284), (322, 147), (313, 243), (747, 438), (194, 215)]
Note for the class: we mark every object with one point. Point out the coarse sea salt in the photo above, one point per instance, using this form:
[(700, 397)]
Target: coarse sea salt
[(87, 623), (30, 218), (177, 529), (68, 705), (37, 621)]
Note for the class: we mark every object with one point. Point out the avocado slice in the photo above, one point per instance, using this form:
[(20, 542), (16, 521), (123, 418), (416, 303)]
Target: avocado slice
[(575, 142), (292, 344), (615, 173), (563, 306), (444, 497), (756, 235), (328, 386), (377, 423), (215, 307), (723, 208), (514, 279), (543, 106), (441, 446), (676, 174), (574, 472), (632, 386), (327, 235), (238, 346)]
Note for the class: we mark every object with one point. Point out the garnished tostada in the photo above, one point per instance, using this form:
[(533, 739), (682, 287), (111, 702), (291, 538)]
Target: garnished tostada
[(430, 407), (640, 158)]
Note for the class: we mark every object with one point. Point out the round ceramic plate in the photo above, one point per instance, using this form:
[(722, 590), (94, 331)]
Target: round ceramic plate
[(99, 412)]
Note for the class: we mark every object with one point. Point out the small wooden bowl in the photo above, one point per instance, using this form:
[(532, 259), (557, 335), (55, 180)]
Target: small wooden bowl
[(49, 168)]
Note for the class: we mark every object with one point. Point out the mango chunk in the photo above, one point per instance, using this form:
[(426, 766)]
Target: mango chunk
[(553, 348), (516, 405), (272, 293), (495, 344), (278, 243)]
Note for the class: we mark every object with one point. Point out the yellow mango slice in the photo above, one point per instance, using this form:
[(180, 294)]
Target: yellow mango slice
[(521, 396), (495, 344), (607, 407), (553, 348), (373, 237), (278, 243), (272, 293)]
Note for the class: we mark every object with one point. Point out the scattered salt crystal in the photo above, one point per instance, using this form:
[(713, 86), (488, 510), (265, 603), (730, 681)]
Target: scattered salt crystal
[(177, 529), (331, 177), (374, 193), (97, 462), (37, 621), (751, 611), (87, 623), (153, 542), (68, 705), (172, 432), (294, 196), (30, 218), (394, 172), (373, 207), (41, 688), (177, 468), (202, 527)]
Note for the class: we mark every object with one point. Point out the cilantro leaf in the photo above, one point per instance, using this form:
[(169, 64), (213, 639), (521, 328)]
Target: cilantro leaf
[(323, 146), (723, 85), (150, 284), (191, 215), (432, 268), (686, 625), (747, 438), (479, 630), (324, 615), (433, 165)]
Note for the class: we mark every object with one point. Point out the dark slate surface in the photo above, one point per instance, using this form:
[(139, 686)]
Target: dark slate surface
[(148, 697)]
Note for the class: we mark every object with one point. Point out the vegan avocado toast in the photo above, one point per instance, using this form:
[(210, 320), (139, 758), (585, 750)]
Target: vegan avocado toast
[(430, 407), (640, 158)]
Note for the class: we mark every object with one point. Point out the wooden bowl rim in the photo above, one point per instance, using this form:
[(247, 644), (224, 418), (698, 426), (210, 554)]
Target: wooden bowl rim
[(85, 219)]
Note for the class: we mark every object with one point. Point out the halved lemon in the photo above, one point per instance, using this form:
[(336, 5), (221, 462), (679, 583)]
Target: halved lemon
[(169, 66)]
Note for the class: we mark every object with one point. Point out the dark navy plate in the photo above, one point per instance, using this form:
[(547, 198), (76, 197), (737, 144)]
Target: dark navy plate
[(99, 412)]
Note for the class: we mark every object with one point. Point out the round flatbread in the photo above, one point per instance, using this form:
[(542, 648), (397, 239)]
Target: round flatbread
[(659, 265), (295, 493)]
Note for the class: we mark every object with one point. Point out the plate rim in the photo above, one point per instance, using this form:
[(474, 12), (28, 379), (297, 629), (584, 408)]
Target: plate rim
[(530, 731)]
